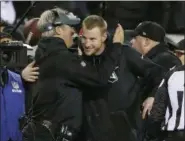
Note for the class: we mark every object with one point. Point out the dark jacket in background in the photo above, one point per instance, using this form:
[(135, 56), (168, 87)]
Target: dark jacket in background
[(106, 109), (63, 75), (163, 57)]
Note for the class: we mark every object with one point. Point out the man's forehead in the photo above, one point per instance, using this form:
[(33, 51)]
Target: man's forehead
[(93, 33), (93, 30)]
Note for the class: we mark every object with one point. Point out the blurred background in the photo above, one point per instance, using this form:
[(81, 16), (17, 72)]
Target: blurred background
[(170, 14)]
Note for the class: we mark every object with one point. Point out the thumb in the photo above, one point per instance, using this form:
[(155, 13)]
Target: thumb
[(31, 64), (144, 103)]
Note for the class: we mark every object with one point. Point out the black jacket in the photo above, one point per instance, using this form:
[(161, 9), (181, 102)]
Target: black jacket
[(63, 75), (104, 108), (163, 57)]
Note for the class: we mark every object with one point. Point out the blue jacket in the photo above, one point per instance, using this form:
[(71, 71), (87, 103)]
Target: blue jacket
[(12, 107)]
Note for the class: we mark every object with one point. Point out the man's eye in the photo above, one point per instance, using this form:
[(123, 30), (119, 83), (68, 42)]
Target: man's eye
[(92, 39)]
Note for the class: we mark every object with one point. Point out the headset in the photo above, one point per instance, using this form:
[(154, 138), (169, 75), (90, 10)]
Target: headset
[(56, 22)]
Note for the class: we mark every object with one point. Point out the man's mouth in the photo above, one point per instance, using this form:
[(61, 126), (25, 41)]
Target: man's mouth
[(88, 48)]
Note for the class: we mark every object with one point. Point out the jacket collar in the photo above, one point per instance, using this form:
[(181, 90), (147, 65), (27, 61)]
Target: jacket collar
[(48, 45), (157, 49), (96, 59)]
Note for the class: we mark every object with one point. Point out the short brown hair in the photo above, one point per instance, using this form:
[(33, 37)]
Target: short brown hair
[(93, 21)]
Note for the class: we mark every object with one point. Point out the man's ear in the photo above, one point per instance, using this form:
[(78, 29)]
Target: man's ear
[(58, 30), (104, 36)]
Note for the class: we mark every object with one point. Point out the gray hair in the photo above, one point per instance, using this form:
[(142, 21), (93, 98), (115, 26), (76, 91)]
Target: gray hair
[(48, 17)]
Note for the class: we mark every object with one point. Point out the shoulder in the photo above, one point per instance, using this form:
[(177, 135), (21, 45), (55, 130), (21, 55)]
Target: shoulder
[(167, 55), (14, 74), (175, 70), (167, 59)]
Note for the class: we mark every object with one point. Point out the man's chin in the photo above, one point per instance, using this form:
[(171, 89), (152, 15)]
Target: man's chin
[(88, 53)]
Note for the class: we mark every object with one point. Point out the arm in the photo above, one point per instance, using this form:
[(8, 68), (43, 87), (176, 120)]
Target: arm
[(158, 111), (162, 58), (81, 72), (160, 103), (85, 74), (152, 75), (143, 67)]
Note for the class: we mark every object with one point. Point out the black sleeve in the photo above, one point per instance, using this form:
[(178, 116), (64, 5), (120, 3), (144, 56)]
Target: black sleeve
[(172, 60), (82, 73), (160, 103), (158, 111), (144, 67)]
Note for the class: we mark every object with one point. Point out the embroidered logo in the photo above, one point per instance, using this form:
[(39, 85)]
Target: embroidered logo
[(83, 64), (113, 78), (15, 87)]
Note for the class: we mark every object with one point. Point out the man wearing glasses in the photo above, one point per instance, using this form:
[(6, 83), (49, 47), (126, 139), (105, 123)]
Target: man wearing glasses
[(180, 50)]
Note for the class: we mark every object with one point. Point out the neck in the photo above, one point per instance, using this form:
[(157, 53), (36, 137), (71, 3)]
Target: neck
[(61, 37), (182, 60), (146, 50), (101, 50), (149, 47)]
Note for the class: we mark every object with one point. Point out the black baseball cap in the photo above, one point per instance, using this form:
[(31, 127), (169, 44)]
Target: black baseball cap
[(181, 45), (151, 30)]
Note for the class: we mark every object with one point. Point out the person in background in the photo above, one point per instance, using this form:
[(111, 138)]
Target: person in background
[(180, 50), (8, 12), (167, 115), (7, 28), (12, 96), (149, 40)]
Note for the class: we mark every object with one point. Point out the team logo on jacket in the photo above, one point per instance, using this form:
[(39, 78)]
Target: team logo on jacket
[(114, 77), (15, 87), (83, 64)]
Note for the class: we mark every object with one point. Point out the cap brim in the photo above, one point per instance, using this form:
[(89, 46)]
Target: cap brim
[(133, 34), (73, 21), (181, 45)]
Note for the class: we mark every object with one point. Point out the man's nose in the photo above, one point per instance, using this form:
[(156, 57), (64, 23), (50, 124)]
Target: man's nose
[(87, 43)]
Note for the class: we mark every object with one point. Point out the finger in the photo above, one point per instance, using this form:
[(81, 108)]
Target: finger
[(35, 73), (35, 68), (144, 112), (120, 27), (117, 28), (148, 112), (34, 77), (116, 31), (149, 109), (30, 80), (143, 104), (31, 64)]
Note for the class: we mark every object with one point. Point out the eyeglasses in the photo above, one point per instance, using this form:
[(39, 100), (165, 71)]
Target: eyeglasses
[(179, 53)]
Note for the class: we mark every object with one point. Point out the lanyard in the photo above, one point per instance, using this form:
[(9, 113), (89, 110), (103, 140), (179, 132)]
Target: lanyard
[(3, 76)]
